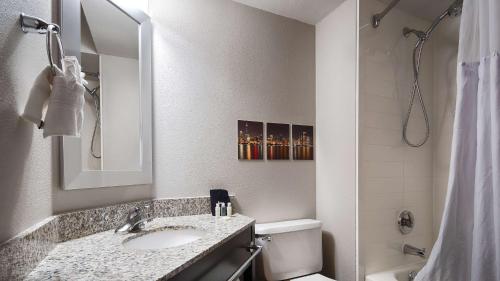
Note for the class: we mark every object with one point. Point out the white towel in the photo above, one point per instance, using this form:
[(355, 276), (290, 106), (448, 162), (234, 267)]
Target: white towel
[(64, 115), (39, 94)]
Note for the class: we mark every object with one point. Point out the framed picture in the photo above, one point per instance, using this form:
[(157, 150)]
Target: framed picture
[(303, 142), (250, 140), (278, 141)]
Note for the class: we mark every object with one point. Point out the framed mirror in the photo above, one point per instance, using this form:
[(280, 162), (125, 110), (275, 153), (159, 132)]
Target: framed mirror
[(113, 44)]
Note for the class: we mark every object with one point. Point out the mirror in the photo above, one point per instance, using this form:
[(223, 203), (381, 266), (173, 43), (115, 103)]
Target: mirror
[(110, 60), (113, 45)]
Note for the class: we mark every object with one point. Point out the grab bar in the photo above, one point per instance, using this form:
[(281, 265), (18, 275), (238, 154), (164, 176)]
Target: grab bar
[(257, 249)]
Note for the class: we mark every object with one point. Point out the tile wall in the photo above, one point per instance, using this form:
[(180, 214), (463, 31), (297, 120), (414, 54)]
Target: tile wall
[(392, 175)]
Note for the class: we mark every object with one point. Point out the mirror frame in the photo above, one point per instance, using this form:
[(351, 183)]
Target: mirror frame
[(72, 174)]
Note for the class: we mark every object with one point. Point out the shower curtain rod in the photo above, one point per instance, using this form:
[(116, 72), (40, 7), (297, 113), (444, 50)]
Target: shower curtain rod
[(378, 17)]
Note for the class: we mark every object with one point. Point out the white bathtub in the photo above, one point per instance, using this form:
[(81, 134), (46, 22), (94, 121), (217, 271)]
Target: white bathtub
[(396, 274)]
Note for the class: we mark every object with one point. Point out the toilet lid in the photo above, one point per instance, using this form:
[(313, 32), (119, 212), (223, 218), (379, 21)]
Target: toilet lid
[(314, 277)]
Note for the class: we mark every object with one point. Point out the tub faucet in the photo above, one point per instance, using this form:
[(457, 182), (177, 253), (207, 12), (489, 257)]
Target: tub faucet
[(412, 250), (135, 221)]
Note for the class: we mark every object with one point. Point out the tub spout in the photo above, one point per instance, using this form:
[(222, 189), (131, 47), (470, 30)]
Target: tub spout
[(412, 250)]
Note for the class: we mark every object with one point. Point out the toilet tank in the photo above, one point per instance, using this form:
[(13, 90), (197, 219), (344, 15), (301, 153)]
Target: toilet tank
[(290, 248)]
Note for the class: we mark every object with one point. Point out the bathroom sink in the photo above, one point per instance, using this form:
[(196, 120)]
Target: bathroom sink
[(163, 238)]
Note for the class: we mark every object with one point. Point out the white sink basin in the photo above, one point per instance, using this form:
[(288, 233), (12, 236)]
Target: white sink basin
[(166, 238)]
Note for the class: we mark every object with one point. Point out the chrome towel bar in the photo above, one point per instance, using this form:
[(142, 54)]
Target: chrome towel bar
[(255, 252)]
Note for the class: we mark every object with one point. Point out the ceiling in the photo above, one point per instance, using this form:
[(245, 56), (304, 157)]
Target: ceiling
[(426, 9), (308, 11)]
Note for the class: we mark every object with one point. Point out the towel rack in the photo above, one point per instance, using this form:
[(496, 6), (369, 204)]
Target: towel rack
[(30, 24)]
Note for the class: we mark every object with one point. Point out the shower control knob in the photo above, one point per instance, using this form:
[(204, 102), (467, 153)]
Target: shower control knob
[(406, 221)]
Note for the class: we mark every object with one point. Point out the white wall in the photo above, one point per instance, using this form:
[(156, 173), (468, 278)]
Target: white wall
[(215, 62), (393, 176), (120, 113), (336, 120)]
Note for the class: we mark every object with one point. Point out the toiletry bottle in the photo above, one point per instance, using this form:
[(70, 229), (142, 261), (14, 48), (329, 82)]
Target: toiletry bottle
[(229, 209), (217, 209), (223, 210)]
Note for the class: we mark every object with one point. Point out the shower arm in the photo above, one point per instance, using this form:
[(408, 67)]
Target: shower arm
[(453, 10), (436, 22), (378, 17)]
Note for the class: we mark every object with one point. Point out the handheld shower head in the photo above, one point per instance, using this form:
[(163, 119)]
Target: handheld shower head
[(455, 9)]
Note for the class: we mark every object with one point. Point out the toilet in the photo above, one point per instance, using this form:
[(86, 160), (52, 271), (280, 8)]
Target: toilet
[(291, 250)]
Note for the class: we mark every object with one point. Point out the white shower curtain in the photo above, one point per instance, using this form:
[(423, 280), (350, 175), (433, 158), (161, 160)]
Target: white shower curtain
[(468, 245)]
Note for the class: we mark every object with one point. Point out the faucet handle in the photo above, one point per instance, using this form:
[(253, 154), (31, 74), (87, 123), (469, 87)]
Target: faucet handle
[(133, 212)]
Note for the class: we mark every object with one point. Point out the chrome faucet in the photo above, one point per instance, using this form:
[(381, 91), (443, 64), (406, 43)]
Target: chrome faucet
[(136, 220), (412, 250)]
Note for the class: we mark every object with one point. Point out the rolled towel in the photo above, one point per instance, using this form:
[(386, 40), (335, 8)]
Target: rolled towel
[(39, 94), (64, 115)]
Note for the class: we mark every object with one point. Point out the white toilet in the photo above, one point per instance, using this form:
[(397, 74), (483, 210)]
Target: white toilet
[(291, 250)]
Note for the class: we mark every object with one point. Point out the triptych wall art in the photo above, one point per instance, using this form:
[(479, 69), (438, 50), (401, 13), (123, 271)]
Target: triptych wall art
[(278, 141), (279, 146), (250, 140)]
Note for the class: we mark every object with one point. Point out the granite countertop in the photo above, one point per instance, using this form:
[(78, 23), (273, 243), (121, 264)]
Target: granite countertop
[(101, 256)]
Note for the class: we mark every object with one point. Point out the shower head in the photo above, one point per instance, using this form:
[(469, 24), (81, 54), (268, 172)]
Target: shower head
[(455, 9), (420, 34)]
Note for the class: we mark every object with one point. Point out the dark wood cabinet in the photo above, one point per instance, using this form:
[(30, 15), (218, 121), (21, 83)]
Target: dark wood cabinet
[(224, 261)]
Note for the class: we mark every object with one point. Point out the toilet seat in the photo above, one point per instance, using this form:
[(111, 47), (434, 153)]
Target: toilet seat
[(314, 277)]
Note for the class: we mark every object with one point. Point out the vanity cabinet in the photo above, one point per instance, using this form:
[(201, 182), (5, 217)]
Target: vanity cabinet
[(224, 261)]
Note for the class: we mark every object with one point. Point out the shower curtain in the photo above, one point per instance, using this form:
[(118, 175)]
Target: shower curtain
[(468, 245)]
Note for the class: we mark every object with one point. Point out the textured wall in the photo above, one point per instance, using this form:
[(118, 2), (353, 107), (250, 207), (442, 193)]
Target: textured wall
[(336, 146), (26, 175), (217, 61)]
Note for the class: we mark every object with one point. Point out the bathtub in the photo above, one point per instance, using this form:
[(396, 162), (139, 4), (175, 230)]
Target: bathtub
[(396, 274)]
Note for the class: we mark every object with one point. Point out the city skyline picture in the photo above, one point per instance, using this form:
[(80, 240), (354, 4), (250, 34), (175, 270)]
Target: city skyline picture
[(278, 141), (303, 142), (250, 140)]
